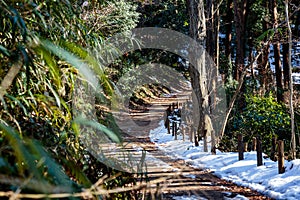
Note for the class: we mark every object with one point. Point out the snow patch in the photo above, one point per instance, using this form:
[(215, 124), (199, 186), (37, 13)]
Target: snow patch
[(264, 179)]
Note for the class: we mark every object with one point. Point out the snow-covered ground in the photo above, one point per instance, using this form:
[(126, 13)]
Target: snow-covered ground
[(264, 179)]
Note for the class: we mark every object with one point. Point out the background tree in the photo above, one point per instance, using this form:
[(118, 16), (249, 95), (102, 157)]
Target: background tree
[(276, 49), (240, 13), (197, 30), (292, 114)]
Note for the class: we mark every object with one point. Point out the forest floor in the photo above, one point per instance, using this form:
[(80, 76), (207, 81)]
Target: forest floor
[(178, 180)]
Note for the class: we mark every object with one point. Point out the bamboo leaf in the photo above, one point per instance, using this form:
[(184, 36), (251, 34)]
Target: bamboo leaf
[(57, 98), (83, 68), (35, 11), (22, 154), (18, 21), (31, 151), (4, 50), (18, 102), (93, 63), (83, 121), (89, 67), (77, 172), (32, 184), (54, 170), (54, 70)]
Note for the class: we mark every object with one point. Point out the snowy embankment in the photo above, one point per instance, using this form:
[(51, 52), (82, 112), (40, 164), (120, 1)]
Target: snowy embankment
[(264, 179)]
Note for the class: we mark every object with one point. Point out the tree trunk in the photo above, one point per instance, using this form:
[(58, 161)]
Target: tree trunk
[(276, 47), (212, 48), (293, 138), (228, 71), (263, 60), (263, 68), (228, 26), (240, 19), (278, 71), (217, 30), (197, 31), (210, 29), (213, 101), (197, 26), (286, 67)]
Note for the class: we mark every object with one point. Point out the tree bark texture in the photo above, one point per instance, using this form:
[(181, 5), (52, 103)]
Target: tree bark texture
[(240, 19), (197, 31)]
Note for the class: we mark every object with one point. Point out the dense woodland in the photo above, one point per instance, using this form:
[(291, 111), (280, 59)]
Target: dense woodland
[(44, 44)]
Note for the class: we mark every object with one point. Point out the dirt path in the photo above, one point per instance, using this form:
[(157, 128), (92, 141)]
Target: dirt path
[(179, 179)]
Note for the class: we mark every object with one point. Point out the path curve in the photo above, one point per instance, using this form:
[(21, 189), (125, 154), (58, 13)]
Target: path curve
[(178, 178)]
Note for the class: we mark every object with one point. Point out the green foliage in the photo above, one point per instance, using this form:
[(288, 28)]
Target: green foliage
[(226, 69), (165, 14), (32, 159), (258, 16), (260, 21), (83, 121), (265, 117), (110, 17), (45, 43), (120, 179)]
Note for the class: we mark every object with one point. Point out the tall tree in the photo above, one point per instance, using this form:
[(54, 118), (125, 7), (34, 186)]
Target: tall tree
[(197, 31), (210, 28), (276, 48), (228, 39), (258, 31), (240, 22), (285, 65), (293, 138), (212, 48)]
